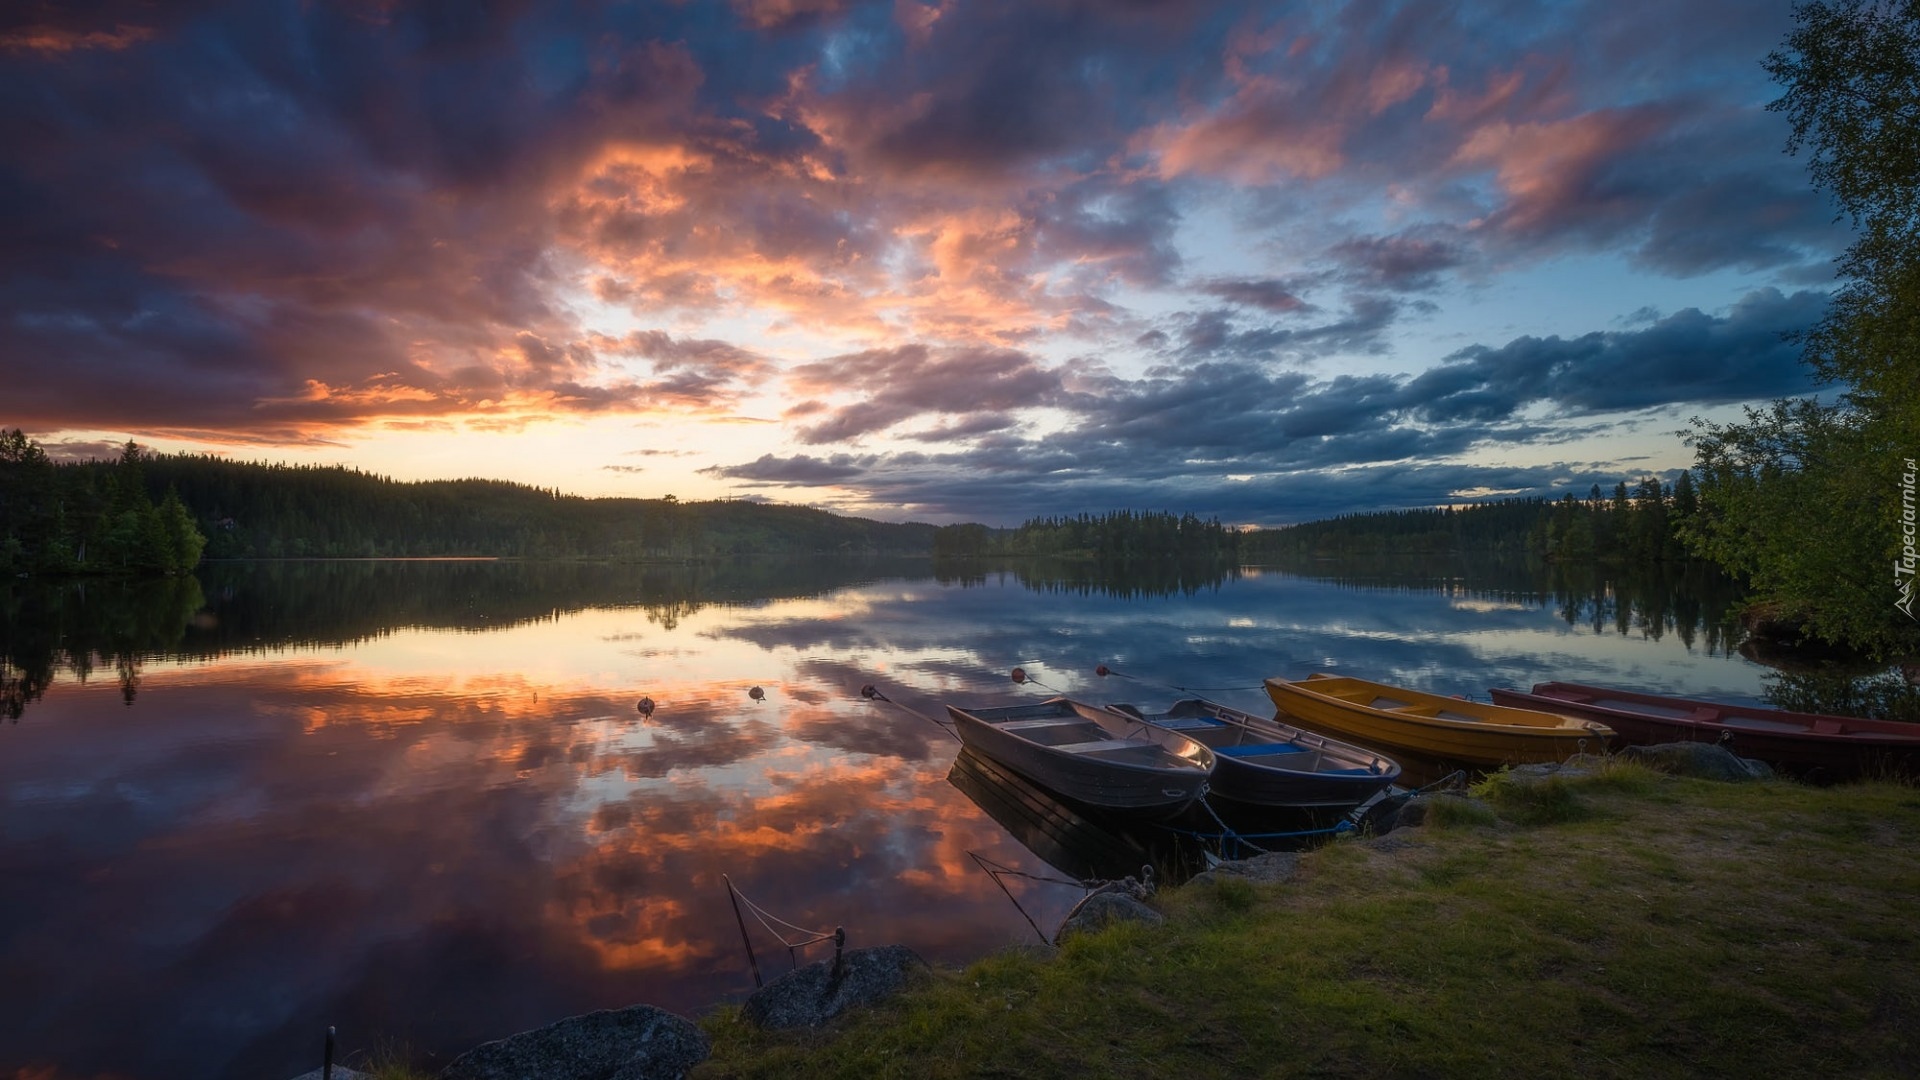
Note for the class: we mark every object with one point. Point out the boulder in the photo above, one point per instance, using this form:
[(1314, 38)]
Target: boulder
[(1273, 868), (1102, 909), (1707, 761), (1415, 812), (1408, 814), (810, 996), (1576, 767), (636, 1043)]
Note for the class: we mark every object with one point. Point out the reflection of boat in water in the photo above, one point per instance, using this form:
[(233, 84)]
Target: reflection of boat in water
[(1265, 763), (1073, 840), (1086, 842), (1808, 744), (1100, 758), (1444, 727)]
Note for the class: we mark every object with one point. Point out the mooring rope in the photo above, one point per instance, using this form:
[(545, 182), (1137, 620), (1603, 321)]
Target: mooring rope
[(1090, 886), (994, 870), (838, 935), (1244, 838), (1021, 677), (992, 867), (1227, 830), (1103, 670), (872, 693)]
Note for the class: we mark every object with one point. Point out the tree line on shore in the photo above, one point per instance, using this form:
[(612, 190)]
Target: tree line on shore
[(1647, 523), (94, 517), (1121, 536), (90, 517)]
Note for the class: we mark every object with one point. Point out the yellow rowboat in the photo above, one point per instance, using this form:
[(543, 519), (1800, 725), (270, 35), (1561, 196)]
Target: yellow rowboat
[(1434, 725)]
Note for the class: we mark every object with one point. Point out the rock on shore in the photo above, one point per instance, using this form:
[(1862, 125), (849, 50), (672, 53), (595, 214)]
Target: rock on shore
[(636, 1043), (810, 996)]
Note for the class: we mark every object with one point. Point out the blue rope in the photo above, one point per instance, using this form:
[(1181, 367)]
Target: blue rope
[(1343, 827), (1247, 840)]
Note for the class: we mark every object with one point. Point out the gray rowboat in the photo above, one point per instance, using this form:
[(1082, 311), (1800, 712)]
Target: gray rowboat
[(1090, 755)]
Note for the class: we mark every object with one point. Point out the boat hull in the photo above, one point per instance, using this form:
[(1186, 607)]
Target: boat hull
[(1809, 745), (1468, 732), (1156, 786)]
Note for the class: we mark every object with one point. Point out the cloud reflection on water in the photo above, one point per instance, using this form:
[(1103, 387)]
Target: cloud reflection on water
[(444, 836)]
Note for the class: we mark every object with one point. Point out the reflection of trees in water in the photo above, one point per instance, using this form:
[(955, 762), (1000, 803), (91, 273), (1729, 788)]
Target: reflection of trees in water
[(328, 603), (49, 627), (1690, 600), (1087, 577), (76, 626), (1892, 694)]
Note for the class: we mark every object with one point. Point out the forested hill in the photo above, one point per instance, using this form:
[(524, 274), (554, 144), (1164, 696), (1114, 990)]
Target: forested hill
[(258, 510), (161, 513), (146, 512)]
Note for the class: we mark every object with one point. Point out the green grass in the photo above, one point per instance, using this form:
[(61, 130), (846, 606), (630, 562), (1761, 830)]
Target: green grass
[(1625, 925), (1447, 812)]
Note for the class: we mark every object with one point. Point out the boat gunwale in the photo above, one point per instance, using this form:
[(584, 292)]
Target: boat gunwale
[(1563, 727), (1181, 767), (1866, 731), (1328, 746)]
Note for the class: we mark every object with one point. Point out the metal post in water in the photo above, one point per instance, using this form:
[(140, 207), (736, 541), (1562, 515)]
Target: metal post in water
[(326, 1066), (752, 960), (839, 941)]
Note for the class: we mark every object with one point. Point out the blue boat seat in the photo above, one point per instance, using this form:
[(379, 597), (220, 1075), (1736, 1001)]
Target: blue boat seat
[(1259, 749)]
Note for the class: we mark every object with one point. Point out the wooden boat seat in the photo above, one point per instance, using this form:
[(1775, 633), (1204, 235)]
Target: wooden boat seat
[(1757, 724), (1449, 714), (1188, 723), (1647, 708), (1045, 721), (1388, 703), (1094, 746)]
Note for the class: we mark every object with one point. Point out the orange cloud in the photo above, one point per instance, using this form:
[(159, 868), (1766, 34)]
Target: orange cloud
[(55, 40), (1547, 168)]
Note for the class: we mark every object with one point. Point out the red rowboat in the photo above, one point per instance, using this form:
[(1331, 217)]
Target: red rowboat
[(1823, 748)]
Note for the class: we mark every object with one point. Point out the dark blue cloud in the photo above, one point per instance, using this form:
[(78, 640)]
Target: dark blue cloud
[(1686, 358), (1233, 438)]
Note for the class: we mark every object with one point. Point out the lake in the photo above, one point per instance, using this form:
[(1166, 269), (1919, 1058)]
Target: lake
[(416, 800)]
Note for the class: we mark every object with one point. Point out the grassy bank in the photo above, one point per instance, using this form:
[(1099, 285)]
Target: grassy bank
[(1630, 925)]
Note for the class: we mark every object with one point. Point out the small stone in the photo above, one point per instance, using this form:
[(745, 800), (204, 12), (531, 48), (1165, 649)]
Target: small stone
[(1102, 909), (811, 996), (635, 1043)]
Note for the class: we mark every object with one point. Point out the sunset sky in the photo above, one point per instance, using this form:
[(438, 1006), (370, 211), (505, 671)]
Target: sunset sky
[(952, 261)]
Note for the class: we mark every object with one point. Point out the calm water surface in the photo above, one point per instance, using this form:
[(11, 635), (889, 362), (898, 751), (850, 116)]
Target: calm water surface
[(415, 800)]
